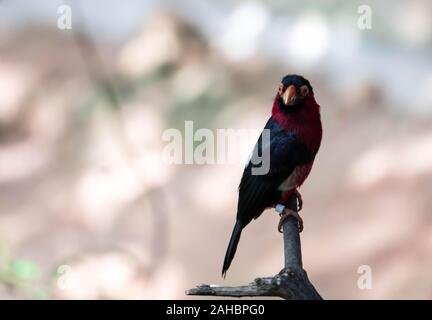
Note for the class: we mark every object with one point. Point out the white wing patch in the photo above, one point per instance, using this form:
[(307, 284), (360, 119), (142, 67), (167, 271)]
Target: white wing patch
[(296, 178)]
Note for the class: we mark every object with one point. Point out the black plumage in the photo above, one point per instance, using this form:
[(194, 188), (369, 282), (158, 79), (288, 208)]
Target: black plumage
[(258, 192)]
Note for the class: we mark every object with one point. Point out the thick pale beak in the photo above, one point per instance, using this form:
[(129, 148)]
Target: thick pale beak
[(289, 95)]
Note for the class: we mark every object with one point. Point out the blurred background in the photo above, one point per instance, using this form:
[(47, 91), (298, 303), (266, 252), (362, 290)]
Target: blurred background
[(89, 211)]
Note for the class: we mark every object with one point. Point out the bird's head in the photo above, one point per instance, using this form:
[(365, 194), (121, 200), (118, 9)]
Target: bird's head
[(293, 91)]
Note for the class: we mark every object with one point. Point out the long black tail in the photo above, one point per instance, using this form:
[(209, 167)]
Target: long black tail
[(232, 247)]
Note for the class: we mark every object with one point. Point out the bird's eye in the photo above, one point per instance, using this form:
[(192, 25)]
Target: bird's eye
[(280, 89), (304, 90)]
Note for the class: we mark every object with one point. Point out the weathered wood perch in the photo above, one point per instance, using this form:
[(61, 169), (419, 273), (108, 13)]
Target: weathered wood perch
[(291, 283)]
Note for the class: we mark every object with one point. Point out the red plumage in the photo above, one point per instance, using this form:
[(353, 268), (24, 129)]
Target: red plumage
[(306, 123)]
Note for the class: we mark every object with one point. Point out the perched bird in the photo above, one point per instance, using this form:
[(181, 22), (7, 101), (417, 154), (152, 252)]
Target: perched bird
[(295, 137)]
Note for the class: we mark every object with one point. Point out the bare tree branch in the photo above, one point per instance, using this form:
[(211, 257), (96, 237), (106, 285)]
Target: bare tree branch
[(292, 283)]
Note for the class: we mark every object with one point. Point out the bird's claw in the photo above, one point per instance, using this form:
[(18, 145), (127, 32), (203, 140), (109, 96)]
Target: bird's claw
[(288, 212), (299, 199)]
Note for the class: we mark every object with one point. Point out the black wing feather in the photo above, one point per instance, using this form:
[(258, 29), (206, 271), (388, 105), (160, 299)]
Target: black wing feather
[(257, 192)]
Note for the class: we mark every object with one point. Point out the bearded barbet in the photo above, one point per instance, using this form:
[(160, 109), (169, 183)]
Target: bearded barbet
[(295, 133)]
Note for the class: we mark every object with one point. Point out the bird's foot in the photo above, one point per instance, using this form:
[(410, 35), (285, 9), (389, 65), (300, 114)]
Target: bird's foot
[(286, 213), (299, 199)]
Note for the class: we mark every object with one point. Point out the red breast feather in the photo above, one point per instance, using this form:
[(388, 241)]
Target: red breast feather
[(305, 122)]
